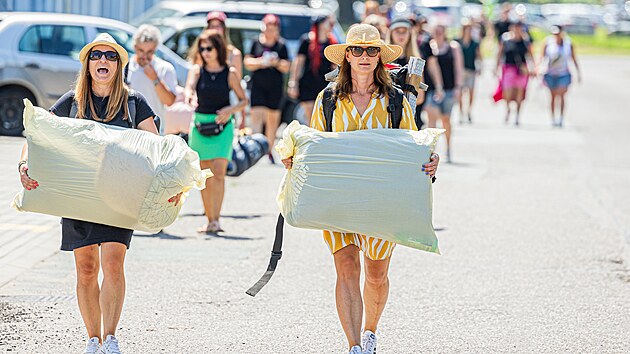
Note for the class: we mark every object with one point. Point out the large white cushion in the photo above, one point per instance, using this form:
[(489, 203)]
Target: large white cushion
[(105, 174), (367, 181)]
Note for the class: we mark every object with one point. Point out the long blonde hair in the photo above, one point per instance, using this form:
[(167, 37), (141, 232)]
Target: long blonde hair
[(343, 85), (117, 98), (411, 49)]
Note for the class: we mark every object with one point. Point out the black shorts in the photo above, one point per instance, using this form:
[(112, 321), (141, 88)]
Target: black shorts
[(77, 233), (267, 96)]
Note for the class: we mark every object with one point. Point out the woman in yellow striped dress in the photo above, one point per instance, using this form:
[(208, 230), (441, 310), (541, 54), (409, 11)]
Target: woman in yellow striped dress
[(362, 89)]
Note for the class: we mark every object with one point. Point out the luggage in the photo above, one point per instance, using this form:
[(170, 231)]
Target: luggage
[(105, 174), (247, 151), (366, 181)]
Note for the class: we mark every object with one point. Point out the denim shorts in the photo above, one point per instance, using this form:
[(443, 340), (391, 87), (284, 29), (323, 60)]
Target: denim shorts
[(445, 105), (557, 81)]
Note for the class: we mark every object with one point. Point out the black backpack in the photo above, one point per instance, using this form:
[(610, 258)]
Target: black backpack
[(394, 108)]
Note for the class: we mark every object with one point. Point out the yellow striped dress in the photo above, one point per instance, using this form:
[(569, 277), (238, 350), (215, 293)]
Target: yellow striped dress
[(346, 118)]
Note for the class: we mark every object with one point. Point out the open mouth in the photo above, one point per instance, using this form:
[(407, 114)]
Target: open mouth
[(102, 70)]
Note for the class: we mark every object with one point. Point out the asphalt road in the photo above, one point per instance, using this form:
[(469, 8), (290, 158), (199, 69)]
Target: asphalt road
[(534, 229)]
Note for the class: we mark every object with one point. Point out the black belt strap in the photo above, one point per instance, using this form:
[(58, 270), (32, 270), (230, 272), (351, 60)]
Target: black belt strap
[(276, 254)]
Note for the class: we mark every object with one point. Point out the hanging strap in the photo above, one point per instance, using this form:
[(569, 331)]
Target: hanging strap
[(276, 254)]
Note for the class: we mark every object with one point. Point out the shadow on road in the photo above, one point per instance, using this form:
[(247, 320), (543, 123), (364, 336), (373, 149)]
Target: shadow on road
[(241, 217), (161, 235), (231, 237)]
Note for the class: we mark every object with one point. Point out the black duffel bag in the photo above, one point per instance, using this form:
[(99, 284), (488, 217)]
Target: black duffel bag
[(248, 149)]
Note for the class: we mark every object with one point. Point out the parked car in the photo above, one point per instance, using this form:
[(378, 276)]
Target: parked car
[(39, 58), (295, 19), (179, 34)]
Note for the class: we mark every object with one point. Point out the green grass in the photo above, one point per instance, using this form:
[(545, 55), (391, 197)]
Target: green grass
[(598, 43)]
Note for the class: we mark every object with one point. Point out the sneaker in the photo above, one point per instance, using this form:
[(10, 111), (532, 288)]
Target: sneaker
[(110, 345), (356, 350), (368, 343), (93, 346)]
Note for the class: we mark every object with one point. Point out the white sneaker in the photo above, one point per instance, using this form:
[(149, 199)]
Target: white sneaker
[(110, 345), (368, 342), (356, 350), (92, 346)]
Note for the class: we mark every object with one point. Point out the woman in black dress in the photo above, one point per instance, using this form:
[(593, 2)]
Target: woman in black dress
[(308, 69), (99, 95), (268, 60)]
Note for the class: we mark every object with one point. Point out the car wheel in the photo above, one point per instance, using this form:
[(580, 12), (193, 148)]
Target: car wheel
[(11, 109)]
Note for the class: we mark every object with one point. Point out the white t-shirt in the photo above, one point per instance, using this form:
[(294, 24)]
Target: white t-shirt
[(138, 80)]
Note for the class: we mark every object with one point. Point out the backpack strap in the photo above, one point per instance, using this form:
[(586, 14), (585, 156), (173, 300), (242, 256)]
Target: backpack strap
[(131, 105), (276, 254), (395, 106), (73, 109), (329, 104)]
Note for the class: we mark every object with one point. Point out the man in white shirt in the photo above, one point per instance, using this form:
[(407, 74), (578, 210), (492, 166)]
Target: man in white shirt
[(151, 76)]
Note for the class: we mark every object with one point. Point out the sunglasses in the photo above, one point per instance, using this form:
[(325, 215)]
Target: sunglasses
[(358, 51), (203, 49), (109, 55)]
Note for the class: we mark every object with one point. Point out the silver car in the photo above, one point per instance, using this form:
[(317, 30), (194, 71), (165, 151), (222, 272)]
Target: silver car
[(39, 58)]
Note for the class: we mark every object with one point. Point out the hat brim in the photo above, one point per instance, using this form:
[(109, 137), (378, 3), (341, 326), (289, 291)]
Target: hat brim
[(122, 53), (336, 53)]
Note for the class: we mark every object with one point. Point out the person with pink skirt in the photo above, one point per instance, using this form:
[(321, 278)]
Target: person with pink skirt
[(514, 58)]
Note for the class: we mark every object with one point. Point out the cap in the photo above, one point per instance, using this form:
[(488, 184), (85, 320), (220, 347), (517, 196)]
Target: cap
[(216, 15), (271, 19), (399, 23)]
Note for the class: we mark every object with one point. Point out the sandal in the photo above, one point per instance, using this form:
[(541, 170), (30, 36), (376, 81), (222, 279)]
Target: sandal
[(210, 228)]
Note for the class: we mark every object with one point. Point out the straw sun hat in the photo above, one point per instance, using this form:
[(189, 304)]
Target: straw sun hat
[(362, 35), (105, 39)]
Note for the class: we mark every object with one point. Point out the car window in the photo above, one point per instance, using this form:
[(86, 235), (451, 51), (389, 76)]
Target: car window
[(291, 27), (181, 42), (53, 39), (123, 38)]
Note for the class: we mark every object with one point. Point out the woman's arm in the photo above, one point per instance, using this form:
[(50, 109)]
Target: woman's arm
[(540, 62), (148, 125), (499, 58), (253, 64), (237, 61), (296, 68), (283, 65), (577, 67), (190, 95), (26, 181), (234, 80), (458, 59)]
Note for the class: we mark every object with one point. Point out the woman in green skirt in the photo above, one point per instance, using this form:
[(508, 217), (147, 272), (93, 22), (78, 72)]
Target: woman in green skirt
[(212, 130)]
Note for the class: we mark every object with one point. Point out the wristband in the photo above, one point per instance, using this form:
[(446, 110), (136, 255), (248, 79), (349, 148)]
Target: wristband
[(156, 82), (23, 162)]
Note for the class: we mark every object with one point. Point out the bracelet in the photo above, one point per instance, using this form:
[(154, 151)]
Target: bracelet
[(23, 162)]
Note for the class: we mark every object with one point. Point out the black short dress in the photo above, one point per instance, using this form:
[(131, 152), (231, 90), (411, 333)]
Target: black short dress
[(268, 83), (312, 82), (77, 233)]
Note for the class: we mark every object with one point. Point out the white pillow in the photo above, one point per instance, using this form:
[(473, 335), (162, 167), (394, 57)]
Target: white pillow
[(366, 181), (105, 174)]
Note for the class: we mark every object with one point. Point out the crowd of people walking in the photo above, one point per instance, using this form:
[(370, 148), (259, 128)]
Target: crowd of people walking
[(106, 85)]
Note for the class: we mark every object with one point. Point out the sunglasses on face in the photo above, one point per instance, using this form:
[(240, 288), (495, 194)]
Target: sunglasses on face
[(204, 49), (358, 51), (109, 55)]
